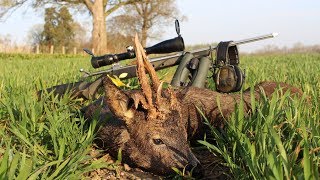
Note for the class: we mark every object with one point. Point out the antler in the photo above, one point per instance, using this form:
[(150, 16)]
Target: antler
[(143, 62), (144, 65)]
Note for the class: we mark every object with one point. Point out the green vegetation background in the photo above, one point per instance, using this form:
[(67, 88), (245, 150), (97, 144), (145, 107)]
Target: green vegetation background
[(50, 139)]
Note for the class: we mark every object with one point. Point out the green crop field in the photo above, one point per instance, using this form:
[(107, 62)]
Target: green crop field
[(49, 138)]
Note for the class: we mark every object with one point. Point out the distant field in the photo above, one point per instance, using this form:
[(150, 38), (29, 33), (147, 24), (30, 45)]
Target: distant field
[(49, 139)]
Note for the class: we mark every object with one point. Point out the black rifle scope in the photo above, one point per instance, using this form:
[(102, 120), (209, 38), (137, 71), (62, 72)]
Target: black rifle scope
[(167, 46)]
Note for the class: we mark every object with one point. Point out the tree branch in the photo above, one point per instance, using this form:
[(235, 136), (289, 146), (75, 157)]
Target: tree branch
[(88, 4), (118, 5), (9, 7), (138, 9)]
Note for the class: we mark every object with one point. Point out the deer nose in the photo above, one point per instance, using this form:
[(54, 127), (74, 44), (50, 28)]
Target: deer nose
[(194, 166), (192, 160), (197, 171)]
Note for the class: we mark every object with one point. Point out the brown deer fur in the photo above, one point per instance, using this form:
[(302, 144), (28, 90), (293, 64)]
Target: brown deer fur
[(152, 126)]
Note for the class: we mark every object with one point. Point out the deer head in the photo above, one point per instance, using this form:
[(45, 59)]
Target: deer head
[(156, 135)]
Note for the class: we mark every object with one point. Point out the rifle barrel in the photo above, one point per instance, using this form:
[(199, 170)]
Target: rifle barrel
[(258, 38), (243, 41)]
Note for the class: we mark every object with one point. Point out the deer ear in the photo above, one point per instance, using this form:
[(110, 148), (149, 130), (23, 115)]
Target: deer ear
[(117, 101)]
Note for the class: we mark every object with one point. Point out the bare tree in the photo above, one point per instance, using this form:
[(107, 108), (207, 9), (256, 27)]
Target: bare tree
[(146, 17), (35, 34), (99, 9), (81, 37)]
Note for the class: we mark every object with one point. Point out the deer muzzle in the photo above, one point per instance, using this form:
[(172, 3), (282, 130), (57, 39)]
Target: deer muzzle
[(194, 166)]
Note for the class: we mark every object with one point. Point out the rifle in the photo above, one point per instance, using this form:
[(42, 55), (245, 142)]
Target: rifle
[(193, 66)]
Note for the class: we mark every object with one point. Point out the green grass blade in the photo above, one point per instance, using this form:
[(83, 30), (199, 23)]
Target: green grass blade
[(14, 166), (281, 150), (35, 175), (59, 168), (26, 169), (306, 162), (4, 166)]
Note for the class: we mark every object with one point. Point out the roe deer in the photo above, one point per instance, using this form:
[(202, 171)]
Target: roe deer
[(152, 126)]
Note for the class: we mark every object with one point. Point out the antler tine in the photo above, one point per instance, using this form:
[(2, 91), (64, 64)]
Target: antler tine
[(142, 76), (159, 96), (150, 69)]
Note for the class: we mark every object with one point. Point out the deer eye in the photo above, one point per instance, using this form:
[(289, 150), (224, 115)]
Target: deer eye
[(157, 141)]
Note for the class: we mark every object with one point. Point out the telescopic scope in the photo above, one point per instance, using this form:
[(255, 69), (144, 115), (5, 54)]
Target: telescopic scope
[(167, 46)]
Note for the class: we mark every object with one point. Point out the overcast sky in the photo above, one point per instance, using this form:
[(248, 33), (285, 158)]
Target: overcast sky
[(213, 21)]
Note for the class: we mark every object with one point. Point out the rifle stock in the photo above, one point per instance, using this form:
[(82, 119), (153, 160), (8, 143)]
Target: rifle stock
[(80, 89)]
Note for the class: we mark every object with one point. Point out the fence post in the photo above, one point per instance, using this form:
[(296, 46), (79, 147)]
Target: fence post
[(37, 49), (63, 50), (51, 49), (75, 50)]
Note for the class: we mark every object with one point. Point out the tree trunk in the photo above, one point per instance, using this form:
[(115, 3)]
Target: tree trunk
[(99, 32), (144, 32)]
